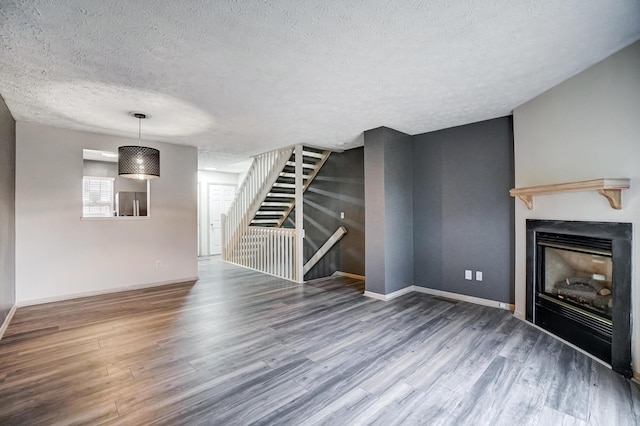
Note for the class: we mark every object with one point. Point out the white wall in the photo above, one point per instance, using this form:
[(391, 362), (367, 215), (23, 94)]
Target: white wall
[(585, 128), (219, 178), (243, 175), (7, 213), (59, 255)]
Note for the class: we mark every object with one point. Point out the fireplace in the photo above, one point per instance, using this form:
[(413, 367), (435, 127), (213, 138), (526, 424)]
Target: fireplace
[(579, 286)]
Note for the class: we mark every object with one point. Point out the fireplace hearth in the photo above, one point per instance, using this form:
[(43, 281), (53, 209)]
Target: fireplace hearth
[(579, 286)]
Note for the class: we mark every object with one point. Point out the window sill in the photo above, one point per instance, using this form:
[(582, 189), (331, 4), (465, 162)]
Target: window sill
[(117, 218)]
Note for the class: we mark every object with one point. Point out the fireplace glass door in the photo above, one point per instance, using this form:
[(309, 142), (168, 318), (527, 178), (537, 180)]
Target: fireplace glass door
[(574, 290), (578, 277)]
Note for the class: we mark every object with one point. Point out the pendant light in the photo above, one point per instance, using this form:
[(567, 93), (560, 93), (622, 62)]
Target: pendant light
[(138, 162)]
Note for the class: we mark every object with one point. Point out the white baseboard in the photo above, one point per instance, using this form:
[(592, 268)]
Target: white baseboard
[(448, 295), (7, 320), (376, 296), (101, 292), (349, 275), (317, 280), (385, 297), (337, 274), (465, 298)]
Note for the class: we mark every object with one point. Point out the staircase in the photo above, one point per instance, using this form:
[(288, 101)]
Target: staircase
[(281, 199), (252, 233)]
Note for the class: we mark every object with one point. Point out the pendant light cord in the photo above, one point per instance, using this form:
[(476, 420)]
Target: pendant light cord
[(139, 116)]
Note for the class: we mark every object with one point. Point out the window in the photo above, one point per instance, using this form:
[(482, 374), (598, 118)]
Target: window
[(105, 195), (97, 196)]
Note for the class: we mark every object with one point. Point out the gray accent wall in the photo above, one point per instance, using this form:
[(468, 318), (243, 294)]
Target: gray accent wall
[(427, 213), (463, 214), (338, 187), (7, 211), (389, 210), (374, 210)]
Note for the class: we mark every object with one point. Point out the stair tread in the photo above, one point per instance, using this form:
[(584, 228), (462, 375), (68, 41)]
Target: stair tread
[(312, 154), (281, 195), (293, 175), (304, 165), (269, 213), (274, 204)]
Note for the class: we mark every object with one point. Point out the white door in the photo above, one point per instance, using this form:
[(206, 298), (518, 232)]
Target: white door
[(199, 228), (220, 198)]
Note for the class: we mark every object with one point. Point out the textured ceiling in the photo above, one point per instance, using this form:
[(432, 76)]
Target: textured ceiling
[(238, 78)]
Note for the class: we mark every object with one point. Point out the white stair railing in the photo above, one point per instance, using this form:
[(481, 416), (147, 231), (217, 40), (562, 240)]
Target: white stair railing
[(258, 181), (268, 250)]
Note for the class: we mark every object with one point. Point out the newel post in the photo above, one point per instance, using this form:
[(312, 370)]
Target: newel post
[(298, 253)]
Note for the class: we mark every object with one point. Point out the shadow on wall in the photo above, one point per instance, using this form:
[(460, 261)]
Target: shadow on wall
[(338, 188)]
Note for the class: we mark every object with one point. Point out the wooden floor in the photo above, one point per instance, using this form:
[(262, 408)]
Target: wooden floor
[(239, 347)]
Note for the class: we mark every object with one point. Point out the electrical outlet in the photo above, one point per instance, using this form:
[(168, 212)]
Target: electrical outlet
[(468, 274), (478, 275), (341, 215), (157, 263)]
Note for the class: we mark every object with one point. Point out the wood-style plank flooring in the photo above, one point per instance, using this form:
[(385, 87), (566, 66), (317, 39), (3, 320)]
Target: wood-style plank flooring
[(239, 347)]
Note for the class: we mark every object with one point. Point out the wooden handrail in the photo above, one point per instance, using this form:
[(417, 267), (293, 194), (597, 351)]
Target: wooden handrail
[(310, 179), (322, 251)]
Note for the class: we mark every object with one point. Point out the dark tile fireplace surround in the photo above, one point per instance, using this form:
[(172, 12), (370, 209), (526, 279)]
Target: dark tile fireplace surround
[(579, 286)]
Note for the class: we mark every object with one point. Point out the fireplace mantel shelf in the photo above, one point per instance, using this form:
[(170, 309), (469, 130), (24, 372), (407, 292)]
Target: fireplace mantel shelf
[(611, 189)]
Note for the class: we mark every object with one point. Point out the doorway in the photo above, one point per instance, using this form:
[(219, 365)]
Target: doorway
[(213, 201), (220, 198)]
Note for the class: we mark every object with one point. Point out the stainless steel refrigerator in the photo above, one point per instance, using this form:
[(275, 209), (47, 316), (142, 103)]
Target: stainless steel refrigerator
[(131, 203)]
